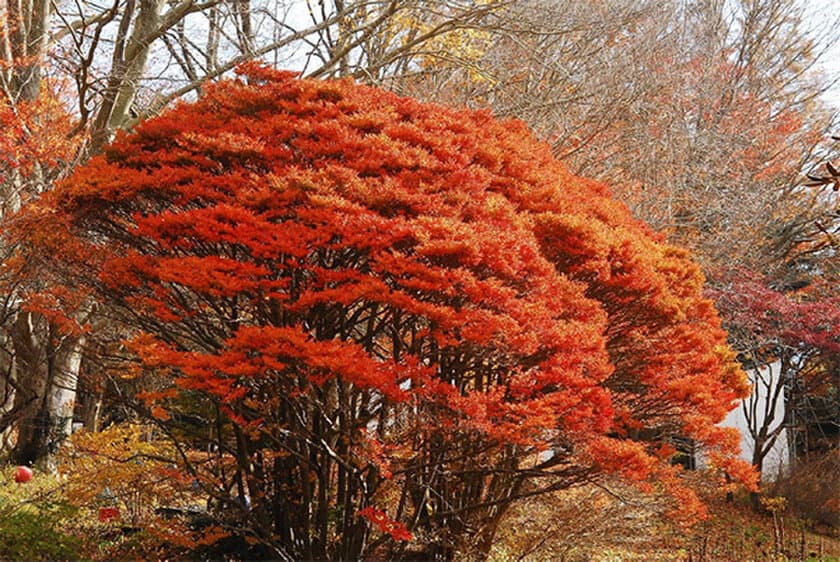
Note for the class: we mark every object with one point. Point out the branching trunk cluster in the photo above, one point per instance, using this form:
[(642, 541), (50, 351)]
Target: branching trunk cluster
[(298, 451)]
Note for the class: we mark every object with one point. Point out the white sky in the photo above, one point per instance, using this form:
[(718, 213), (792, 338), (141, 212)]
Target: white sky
[(825, 20)]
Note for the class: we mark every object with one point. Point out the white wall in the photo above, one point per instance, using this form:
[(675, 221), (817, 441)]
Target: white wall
[(764, 381)]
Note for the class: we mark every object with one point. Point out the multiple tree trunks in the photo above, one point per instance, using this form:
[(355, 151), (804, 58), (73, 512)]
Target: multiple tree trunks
[(365, 302), (97, 58), (393, 315)]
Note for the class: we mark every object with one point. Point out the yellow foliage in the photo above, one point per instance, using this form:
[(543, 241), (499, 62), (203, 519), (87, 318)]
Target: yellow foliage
[(124, 466), (42, 489), (465, 44), (774, 504)]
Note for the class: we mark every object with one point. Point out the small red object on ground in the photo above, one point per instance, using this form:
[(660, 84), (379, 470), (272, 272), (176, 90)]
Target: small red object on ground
[(23, 474), (109, 514)]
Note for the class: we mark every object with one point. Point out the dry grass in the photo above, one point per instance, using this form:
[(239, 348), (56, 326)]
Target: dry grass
[(621, 524)]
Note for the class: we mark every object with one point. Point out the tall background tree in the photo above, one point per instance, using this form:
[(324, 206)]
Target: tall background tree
[(702, 116)]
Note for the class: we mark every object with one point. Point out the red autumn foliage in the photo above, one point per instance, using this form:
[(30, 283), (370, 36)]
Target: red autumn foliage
[(769, 323), (798, 330), (35, 134), (386, 525), (376, 300)]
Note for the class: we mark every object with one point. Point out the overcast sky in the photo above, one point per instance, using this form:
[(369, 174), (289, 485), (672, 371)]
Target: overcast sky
[(825, 18)]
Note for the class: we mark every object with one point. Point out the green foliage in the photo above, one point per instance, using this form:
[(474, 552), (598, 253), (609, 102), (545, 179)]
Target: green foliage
[(37, 535), (36, 523)]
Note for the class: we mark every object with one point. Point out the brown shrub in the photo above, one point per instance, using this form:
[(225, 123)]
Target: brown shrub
[(813, 489)]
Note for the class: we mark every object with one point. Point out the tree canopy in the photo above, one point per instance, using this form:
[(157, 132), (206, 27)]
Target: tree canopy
[(390, 319)]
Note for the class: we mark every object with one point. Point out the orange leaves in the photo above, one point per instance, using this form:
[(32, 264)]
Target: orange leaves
[(54, 304), (397, 530), (211, 275), (318, 261), (35, 133), (268, 352), (734, 472), (159, 413), (372, 451), (626, 457), (225, 146)]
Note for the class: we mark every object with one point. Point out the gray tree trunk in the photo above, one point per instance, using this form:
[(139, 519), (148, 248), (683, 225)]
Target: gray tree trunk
[(48, 372), (39, 371)]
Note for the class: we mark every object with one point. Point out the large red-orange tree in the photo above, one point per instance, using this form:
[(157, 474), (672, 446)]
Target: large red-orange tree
[(385, 321), (73, 73)]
